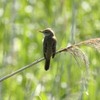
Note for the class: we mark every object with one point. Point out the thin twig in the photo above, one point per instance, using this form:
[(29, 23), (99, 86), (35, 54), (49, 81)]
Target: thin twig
[(7, 76), (95, 42), (25, 67)]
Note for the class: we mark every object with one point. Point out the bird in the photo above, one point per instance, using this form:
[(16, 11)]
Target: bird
[(49, 46)]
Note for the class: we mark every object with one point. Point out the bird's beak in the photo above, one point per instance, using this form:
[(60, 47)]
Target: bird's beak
[(40, 31)]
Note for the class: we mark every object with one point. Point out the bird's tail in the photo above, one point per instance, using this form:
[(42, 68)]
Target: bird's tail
[(47, 64)]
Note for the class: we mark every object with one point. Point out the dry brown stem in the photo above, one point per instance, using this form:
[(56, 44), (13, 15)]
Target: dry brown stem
[(74, 50)]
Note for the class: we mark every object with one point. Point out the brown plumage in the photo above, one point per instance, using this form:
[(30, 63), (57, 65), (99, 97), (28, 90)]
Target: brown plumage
[(49, 46)]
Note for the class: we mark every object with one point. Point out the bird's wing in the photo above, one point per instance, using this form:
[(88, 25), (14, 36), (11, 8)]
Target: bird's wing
[(44, 48), (54, 47)]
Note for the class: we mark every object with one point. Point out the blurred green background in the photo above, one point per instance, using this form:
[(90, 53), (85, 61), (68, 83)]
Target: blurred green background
[(73, 21)]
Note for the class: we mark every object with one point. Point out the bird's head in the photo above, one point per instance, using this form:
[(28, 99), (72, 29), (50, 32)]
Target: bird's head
[(47, 32)]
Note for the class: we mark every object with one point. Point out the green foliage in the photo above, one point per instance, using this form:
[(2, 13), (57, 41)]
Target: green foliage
[(21, 44)]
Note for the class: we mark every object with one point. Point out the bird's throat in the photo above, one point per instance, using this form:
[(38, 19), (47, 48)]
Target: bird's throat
[(46, 34)]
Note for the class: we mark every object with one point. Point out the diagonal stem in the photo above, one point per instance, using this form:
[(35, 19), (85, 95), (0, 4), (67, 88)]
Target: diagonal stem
[(7, 76)]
